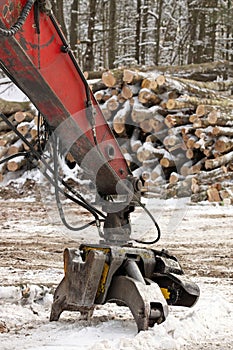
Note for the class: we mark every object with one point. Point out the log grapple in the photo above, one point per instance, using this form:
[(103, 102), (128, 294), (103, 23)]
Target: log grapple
[(145, 280)]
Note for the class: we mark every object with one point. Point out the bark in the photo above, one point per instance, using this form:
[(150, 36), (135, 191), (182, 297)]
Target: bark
[(199, 197), (147, 151), (119, 121), (180, 189), (158, 30), (218, 175), (10, 107), (216, 117), (173, 104), (3, 151), (112, 34), (195, 101), (8, 138), (138, 32), (73, 26), (140, 113), (222, 160), (144, 32), (207, 71), (2, 171), (89, 52), (222, 131), (135, 143), (206, 85), (58, 11)]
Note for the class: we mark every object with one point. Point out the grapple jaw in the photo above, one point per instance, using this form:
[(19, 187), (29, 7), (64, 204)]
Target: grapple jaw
[(144, 300), (177, 288), (78, 288), (145, 280)]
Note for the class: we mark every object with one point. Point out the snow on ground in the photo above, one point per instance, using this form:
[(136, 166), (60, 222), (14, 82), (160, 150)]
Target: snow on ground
[(112, 327), (201, 239)]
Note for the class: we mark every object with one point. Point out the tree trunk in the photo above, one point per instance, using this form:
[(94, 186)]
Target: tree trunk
[(58, 7), (138, 31), (112, 34), (158, 31), (144, 30), (74, 27), (89, 53)]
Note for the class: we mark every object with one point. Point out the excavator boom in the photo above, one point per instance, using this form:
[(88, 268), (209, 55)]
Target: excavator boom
[(40, 62)]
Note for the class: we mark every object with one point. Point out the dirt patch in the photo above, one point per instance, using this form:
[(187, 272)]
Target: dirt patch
[(15, 191), (30, 240)]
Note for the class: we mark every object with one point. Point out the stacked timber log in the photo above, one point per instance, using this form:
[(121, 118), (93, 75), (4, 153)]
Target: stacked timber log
[(175, 132)]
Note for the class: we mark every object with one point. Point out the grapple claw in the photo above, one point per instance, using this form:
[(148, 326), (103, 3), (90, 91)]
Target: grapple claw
[(145, 280), (78, 289), (145, 301)]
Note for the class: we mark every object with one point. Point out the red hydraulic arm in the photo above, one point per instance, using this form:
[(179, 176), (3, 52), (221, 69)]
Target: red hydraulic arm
[(38, 59)]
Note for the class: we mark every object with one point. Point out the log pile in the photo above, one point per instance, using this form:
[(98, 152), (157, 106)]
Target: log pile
[(21, 116), (175, 132)]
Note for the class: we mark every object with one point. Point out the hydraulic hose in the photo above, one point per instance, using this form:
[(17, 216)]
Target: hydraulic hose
[(20, 21)]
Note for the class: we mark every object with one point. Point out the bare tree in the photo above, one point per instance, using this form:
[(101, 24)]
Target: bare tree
[(112, 34), (145, 9), (89, 53), (74, 25), (203, 19), (138, 31), (229, 31), (159, 10), (58, 7)]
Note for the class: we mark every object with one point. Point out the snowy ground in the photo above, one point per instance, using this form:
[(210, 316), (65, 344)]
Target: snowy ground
[(31, 265)]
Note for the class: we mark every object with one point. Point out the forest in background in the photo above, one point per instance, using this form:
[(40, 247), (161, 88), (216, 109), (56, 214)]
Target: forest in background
[(112, 33)]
